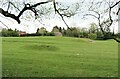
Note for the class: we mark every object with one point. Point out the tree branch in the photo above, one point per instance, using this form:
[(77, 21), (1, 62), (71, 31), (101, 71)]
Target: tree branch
[(13, 16), (117, 40), (32, 7), (115, 4), (14, 6), (98, 18), (6, 14), (35, 5), (8, 6), (4, 24), (118, 11), (91, 15), (61, 15)]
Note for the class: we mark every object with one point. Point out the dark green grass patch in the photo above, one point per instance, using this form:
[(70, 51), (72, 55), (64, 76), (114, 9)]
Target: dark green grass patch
[(42, 47)]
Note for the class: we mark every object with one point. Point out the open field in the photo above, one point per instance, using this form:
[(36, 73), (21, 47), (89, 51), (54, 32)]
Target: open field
[(58, 57)]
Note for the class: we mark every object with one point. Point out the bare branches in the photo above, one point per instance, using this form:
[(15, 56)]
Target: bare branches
[(91, 15), (61, 11), (4, 24), (105, 24), (14, 6), (115, 4), (10, 3), (8, 6), (6, 14), (61, 15), (26, 7), (31, 7), (97, 15), (118, 11), (117, 40), (35, 5)]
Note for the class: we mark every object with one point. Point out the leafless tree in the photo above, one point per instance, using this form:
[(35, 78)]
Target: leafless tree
[(61, 11), (104, 16)]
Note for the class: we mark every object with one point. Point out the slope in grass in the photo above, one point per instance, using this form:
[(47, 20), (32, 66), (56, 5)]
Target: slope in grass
[(59, 57)]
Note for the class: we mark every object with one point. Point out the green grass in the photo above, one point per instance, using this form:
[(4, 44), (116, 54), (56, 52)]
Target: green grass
[(59, 57)]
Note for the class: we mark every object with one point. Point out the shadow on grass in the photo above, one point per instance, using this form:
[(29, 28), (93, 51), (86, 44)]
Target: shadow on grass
[(43, 47)]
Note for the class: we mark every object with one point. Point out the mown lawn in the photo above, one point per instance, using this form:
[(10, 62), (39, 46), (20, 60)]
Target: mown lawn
[(59, 57)]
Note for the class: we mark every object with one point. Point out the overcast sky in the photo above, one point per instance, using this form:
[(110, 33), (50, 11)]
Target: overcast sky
[(30, 25)]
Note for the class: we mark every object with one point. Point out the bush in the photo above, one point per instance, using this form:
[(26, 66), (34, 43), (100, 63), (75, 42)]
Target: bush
[(117, 35), (83, 35), (33, 34), (13, 33), (92, 36), (99, 36), (9, 33), (41, 34), (50, 34)]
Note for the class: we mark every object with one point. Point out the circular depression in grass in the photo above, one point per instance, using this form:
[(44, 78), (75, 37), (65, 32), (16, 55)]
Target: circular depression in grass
[(43, 47)]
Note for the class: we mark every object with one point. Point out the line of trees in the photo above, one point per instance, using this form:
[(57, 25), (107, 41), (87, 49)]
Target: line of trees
[(9, 33), (93, 32), (16, 33), (43, 32)]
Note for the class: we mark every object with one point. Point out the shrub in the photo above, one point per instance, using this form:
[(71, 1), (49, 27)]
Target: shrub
[(50, 34), (83, 35), (99, 36), (9, 33), (33, 34), (92, 36)]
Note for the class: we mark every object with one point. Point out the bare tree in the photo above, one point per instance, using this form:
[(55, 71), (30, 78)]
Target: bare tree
[(103, 22), (61, 11)]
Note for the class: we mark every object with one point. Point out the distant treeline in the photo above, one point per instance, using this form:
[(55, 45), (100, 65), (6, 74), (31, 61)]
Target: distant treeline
[(9, 33), (16, 33), (93, 32)]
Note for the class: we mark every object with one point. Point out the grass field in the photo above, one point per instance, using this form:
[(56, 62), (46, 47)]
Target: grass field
[(59, 57)]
